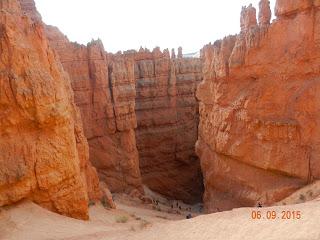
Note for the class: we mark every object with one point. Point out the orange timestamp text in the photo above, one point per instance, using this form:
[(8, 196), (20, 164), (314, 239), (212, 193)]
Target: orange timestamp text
[(275, 215)]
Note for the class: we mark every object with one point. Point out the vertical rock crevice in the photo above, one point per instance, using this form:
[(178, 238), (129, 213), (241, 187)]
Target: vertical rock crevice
[(167, 116)]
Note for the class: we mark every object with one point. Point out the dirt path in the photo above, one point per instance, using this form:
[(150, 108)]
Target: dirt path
[(239, 225)]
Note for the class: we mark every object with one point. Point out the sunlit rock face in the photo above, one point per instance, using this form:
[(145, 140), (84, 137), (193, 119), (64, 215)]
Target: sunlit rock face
[(44, 154), (167, 116), (259, 129)]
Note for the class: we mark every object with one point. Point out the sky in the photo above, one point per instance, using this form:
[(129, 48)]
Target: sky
[(129, 24)]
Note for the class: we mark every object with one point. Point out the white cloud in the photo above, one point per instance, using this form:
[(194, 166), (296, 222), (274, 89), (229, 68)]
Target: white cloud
[(127, 24)]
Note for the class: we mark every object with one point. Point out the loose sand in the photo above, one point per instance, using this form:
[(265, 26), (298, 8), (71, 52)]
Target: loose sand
[(28, 221)]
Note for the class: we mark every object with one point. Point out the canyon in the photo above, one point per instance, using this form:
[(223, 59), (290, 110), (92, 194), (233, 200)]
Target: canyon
[(236, 127), (119, 96), (140, 114), (167, 115)]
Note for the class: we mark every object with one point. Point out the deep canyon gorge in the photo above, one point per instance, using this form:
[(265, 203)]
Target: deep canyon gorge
[(235, 127)]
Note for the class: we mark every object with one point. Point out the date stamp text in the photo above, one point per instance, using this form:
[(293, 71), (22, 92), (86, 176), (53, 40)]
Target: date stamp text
[(275, 215)]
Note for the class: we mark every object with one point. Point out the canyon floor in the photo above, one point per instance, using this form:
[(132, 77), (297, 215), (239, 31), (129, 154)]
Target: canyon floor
[(133, 220)]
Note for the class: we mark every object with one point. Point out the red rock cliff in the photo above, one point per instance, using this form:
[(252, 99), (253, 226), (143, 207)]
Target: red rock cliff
[(259, 129), (44, 156), (111, 89), (104, 88), (167, 115)]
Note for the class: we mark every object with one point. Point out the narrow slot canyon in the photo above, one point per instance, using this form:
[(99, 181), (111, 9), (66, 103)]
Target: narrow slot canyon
[(93, 135), (140, 116), (168, 117)]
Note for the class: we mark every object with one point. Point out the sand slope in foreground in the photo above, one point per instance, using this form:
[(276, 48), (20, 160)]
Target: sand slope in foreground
[(28, 221)]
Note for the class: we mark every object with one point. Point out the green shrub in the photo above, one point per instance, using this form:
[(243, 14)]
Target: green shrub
[(122, 219)]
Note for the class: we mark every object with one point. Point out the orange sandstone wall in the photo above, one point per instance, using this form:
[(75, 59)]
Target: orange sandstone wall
[(44, 155), (110, 91), (259, 129), (167, 115), (104, 88)]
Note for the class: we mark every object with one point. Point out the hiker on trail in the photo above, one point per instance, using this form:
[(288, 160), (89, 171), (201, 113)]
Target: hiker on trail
[(259, 205), (200, 209)]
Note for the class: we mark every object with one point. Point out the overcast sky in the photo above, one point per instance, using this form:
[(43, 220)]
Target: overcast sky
[(129, 24)]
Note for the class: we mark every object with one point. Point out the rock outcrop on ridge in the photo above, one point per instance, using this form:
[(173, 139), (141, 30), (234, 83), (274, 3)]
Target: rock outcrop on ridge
[(259, 129), (44, 154)]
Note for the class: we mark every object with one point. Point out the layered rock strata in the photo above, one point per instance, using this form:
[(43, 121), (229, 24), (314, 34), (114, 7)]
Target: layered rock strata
[(111, 93), (104, 89), (44, 154), (107, 89), (259, 107), (167, 115)]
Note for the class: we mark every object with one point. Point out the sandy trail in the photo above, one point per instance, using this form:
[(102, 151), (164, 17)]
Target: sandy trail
[(238, 225), (28, 221)]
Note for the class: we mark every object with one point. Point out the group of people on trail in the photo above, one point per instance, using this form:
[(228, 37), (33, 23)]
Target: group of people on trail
[(188, 216)]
